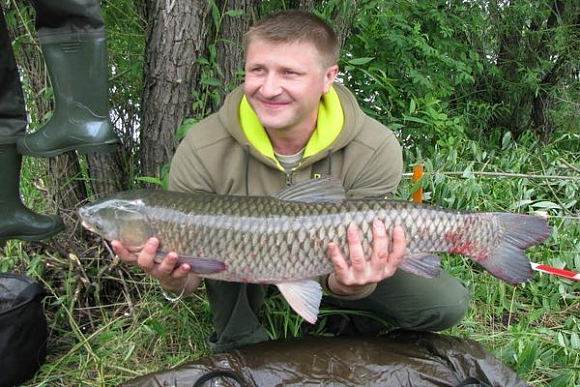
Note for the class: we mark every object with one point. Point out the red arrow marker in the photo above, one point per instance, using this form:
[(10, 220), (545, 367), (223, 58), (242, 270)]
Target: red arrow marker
[(559, 272)]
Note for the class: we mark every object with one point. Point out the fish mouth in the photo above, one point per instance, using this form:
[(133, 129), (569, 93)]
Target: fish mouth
[(83, 215), (87, 226)]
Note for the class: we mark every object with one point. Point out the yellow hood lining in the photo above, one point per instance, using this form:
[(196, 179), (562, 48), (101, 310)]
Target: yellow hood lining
[(328, 126)]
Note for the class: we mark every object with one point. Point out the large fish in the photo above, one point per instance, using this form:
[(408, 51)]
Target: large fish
[(282, 239)]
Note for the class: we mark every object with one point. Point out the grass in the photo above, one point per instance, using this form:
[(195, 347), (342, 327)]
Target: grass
[(109, 323)]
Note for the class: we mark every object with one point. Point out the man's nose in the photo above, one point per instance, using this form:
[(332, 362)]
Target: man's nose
[(271, 87)]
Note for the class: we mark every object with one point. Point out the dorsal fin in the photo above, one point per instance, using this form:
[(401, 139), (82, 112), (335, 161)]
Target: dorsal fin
[(326, 189)]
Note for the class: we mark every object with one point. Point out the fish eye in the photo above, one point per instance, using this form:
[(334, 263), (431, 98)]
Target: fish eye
[(97, 227)]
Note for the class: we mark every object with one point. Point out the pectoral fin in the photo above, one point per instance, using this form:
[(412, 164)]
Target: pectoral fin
[(198, 265), (304, 297)]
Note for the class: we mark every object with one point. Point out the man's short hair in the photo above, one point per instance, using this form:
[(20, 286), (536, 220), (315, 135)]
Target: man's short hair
[(292, 26)]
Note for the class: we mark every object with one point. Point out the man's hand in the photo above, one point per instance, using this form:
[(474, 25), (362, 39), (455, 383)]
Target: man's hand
[(351, 279), (171, 276)]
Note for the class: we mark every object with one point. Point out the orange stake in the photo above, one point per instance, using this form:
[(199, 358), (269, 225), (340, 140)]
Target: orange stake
[(418, 174)]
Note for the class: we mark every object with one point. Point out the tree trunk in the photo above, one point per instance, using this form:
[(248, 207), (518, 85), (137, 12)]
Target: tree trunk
[(527, 50), (105, 174), (342, 14), (305, 5), (564, 14), (177, 38), (229, 51), (508, 59), (67, 185)]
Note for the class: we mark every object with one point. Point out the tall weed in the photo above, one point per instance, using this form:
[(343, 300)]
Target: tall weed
[(109, 323), (533, 327)]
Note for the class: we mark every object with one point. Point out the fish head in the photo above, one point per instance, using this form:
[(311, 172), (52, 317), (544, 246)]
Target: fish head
[(118, 219)]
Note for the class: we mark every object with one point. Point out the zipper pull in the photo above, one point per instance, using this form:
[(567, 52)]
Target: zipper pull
[(289, 176)]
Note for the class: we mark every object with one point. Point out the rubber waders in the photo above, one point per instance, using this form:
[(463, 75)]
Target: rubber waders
[(77, 66), (16, 220)]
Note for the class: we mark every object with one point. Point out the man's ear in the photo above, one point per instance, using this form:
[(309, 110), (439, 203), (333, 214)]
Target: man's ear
[(329, 77)]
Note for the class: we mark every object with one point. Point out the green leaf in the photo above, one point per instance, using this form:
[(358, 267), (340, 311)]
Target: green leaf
[(416, 185), (211, 82), (217, 99), (506, 140), (527, 358), (212, 52), (234, 12), (157, 327), (360, 61), (129, 351), (467, 172), (215, 14), (546, 205), (184, 127), (575, 341), (562, 340), (520, 203), (415, 119), (563, 380), (150, 179), (536, 314)]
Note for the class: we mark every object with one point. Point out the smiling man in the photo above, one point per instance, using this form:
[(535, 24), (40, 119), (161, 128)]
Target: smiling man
[(284, 83), (290, 122)]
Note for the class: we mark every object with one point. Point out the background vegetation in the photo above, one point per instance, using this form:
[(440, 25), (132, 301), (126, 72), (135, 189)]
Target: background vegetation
[(485, 93)]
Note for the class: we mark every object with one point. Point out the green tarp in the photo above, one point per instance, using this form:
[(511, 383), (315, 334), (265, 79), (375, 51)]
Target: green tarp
[(398, 359)]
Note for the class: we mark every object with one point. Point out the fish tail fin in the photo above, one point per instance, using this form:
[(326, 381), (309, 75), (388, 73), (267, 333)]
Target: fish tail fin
[(508, 261)]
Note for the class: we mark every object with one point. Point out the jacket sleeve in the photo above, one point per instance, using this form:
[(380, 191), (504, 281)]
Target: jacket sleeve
[(187, 172), (382, 171)]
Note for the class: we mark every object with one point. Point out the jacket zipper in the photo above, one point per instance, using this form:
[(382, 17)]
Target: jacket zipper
[(289, 176)]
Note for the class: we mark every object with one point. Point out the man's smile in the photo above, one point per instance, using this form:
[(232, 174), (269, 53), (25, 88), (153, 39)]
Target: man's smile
[(272, 104)]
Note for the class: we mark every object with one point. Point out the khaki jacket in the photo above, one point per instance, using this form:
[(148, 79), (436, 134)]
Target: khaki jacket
[(215, 156)]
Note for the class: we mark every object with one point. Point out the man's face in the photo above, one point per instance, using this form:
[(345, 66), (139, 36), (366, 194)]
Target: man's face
[(284, 83)]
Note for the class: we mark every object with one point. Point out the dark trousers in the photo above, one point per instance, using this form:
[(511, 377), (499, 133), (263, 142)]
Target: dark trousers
[(411, 302), (54, 19)]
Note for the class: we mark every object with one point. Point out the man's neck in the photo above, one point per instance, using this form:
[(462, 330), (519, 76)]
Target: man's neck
[(289, 141)]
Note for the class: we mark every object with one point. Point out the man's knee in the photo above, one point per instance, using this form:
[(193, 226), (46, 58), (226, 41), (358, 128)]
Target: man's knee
[(415, 303), (438, 318)]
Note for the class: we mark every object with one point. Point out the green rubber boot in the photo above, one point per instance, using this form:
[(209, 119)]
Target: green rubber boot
[(16, 220), (77, 65)]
